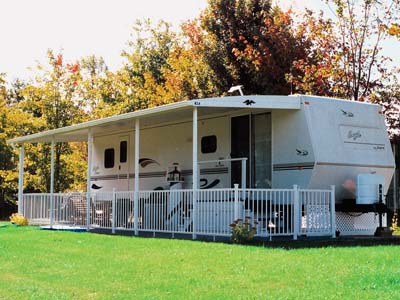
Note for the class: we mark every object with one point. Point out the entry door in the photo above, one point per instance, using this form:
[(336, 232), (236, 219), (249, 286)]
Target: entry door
[(123, 163), (251, 138)]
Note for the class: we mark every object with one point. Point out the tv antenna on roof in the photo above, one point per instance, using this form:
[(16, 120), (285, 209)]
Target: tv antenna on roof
[(236, 88)]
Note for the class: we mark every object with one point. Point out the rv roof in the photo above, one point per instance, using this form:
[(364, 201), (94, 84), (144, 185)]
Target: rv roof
[(161, 114)]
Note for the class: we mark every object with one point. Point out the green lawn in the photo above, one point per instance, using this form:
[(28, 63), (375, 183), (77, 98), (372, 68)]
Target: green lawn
[(38, 264)]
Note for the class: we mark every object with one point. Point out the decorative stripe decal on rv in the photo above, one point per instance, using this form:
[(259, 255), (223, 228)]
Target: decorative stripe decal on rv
[(144, 162), (301, 152), (96, 187), (159, 174), (148, 174), (207, 171), (348, 114), (294, 166), (310, 166), (380, 146), (353, 165), (205, 185)]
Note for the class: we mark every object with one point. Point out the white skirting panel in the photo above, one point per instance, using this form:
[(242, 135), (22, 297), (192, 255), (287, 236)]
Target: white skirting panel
[(358, 223)]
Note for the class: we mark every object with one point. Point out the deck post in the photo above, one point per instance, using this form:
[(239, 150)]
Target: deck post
[(21, 181), (195, 173), (244, 177), (244, 173), (89, 175), (52, 184), (236, 197), (136, 194), (113, 214), (333, 211), (296, 211)]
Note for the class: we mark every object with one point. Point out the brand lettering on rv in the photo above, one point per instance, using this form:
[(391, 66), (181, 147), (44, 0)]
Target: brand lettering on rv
[(354, 135), (379, 147), (347, 113)]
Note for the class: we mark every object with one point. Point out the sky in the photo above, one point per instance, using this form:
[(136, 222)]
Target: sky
[(78, 28)]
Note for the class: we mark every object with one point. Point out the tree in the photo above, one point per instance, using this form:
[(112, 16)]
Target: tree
[(389, 99), (249, 43), (345, 58), (12, 122), (93, 72), (52, 102), (146, 64), (96, 87), (8, 175), (161, 67)]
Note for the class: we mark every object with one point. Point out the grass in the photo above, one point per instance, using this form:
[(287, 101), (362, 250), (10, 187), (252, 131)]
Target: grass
[(39, 264)]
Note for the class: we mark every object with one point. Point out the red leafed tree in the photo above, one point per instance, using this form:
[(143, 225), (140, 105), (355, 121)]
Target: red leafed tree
[(250, 43), (59, 61), (73, 68)]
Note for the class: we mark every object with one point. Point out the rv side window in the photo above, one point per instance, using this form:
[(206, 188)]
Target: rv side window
[(209, 144), (109, 158), (123, 147)]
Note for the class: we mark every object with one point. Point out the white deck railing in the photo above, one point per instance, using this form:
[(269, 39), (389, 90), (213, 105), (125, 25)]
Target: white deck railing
[(274, 212)]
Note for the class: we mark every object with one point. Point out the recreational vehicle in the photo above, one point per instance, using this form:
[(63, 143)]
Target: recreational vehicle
[(283, 162)]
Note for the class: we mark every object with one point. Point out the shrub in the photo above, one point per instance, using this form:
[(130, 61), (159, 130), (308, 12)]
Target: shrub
[(18, 220), (395, 227), (243, 232)]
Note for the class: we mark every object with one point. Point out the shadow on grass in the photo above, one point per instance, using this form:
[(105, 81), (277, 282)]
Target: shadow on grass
[(278, 242), (341, 242)]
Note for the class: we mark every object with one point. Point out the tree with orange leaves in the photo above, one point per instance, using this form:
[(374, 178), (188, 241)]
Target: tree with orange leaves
[(249, 43)]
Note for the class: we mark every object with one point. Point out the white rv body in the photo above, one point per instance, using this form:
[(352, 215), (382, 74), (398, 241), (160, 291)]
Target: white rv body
[(343, 139), (160, 147), (320, 143)]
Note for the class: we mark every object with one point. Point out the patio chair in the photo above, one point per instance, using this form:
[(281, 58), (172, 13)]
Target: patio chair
[(78, 209)]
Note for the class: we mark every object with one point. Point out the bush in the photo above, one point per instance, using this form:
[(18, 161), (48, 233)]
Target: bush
[(395, 227), (18, 220), (243, 232)]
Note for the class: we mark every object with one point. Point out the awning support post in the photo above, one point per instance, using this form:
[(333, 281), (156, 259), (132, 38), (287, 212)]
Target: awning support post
[(52, 184), (136, 193), (195, 173), (21, 181), (89, 175)]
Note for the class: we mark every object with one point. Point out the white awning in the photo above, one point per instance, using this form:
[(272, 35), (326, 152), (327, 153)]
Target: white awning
[(161, 114)]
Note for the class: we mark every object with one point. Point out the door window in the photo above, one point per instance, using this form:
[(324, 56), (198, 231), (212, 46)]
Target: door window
[(109, 158), (261, 151), (123, 151)]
